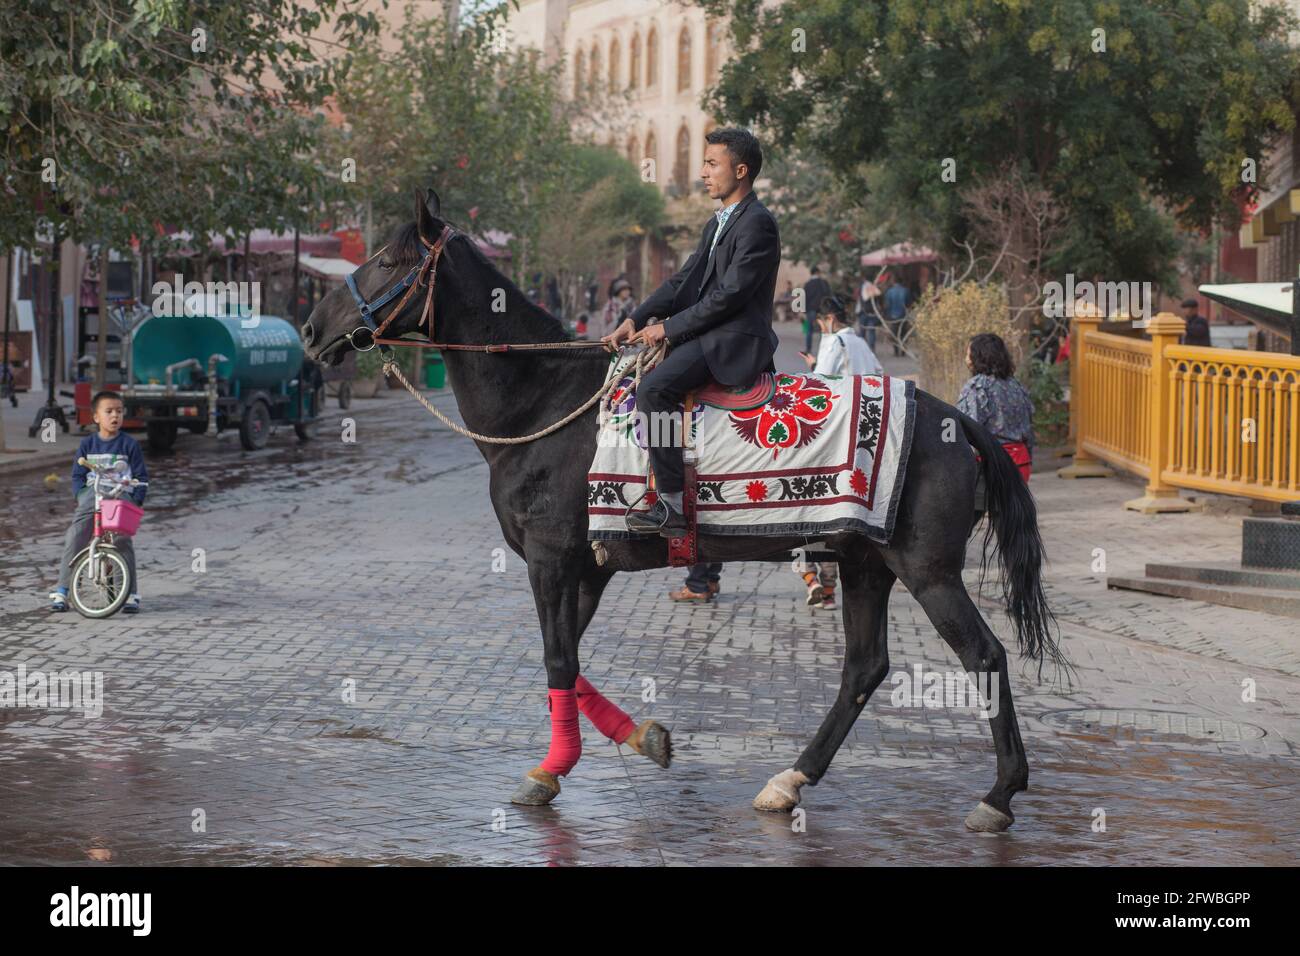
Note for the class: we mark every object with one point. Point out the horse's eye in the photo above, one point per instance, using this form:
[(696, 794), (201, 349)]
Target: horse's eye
[(386, 265)]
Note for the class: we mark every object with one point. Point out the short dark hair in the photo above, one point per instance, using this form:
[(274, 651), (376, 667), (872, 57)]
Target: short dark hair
[(1190, 303), (100, 396), (989, 356), (815, 270), (742, 146), (833, 305)]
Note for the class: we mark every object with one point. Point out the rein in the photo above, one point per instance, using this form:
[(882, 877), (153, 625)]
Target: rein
[(425, 274), (644, 362)]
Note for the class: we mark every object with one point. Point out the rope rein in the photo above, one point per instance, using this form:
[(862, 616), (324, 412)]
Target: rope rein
[(645, 361)]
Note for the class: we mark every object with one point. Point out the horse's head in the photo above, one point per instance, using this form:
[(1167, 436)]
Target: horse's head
[(338, 322)]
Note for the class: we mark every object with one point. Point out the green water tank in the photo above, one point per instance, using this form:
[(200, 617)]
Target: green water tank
[(267, 354)]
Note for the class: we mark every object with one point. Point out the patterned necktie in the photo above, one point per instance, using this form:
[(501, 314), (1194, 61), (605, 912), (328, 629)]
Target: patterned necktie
[(723, 215)]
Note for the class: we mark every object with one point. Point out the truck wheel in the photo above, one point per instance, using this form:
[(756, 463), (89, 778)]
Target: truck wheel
[(162, 435), (255, 426), (345, 395)]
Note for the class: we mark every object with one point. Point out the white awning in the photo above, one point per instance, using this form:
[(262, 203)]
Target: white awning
[(327, 268), (1265, 303)]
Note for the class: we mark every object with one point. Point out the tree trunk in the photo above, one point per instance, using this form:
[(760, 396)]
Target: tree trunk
[(101, 351)]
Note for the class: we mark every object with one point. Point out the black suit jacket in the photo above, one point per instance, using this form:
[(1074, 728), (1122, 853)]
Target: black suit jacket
[(725, 299)]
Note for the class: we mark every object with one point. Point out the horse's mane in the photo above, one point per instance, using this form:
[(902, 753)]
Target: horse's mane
[(406, 249)]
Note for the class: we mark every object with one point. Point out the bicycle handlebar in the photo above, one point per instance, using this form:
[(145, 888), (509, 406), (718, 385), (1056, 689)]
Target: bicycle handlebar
[(101, 473)]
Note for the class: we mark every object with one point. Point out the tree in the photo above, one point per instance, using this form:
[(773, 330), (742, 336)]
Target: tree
[(489, 128), (1134, 115), (822, 220), (120, 116), (593, 211), (126, 122)]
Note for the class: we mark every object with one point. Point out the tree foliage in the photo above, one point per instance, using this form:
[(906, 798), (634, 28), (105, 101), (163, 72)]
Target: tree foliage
[(125, 117), (1135, 114), (489, 129)]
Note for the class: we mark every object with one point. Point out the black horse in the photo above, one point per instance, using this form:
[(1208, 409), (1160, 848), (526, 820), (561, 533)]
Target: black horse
[(539, 492)]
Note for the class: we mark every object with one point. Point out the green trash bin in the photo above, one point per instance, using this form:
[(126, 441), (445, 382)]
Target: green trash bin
[(435, 373)]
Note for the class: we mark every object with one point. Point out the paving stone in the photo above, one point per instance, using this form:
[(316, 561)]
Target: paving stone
[(337, 569)]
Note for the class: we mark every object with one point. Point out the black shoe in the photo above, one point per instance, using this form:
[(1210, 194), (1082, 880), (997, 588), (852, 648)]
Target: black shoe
[(662, 518)]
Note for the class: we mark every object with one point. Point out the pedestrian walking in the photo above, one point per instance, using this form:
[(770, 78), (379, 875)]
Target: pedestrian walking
[(897, 300), (619, 307), (868, 311), (703, 582), (842, 352), (814, 290)]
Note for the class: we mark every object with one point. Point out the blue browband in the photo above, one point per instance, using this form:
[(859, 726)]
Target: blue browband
[(370, 309)]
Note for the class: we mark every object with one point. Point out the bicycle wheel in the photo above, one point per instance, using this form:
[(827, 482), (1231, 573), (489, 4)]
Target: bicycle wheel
[(99, 592)]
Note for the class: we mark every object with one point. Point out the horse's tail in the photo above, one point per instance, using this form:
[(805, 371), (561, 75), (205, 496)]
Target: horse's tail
[(1013, 518)]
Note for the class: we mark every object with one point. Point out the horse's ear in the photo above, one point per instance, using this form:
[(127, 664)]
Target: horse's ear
[(427, 208)]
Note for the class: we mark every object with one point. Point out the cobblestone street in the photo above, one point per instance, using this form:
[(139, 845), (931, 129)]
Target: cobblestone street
[(372, 563)]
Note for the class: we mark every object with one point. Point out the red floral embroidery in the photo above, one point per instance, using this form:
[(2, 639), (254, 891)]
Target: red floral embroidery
[(756, 490), (858, 482), (791, 419)]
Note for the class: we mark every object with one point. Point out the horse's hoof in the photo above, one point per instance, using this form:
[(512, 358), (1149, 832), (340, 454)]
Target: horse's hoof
[(781, 795), (652, 740), (538, 789), (985, 819)]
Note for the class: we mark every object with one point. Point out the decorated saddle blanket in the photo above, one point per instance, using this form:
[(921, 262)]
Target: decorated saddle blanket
[(825, 454)]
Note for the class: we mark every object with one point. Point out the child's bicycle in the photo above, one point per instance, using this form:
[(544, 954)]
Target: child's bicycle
[(101, 579)]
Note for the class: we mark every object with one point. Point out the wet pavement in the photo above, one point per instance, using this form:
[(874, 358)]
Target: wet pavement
[(356, 677)]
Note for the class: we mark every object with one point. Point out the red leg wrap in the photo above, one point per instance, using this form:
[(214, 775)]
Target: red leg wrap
[(566, 740), (607, 717)]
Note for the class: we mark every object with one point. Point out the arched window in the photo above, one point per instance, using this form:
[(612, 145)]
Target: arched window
[(684, 59), (682, 162), (579, 68), (651, 147), (593, 72), (712, 52), (634, 63), (633, 149), (652, 59), (613, 65)]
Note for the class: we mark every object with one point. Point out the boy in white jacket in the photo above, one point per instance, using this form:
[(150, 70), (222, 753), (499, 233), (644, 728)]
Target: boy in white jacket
[(842, 352)]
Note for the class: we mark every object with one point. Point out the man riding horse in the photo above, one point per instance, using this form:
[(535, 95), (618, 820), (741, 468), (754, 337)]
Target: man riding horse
[(718, 311)]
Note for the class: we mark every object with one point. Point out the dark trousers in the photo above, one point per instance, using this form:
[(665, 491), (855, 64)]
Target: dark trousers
[(661, 394), (810, 327), (701, 574)]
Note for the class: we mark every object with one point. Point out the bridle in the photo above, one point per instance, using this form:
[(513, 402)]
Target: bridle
[(423, 274)]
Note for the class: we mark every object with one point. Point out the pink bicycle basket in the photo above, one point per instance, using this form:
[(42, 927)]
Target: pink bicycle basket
[(121, 517)]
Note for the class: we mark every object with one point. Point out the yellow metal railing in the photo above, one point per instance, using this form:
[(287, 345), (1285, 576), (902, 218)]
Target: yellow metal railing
[(1218, 420), (1113, 389), (1233, 422)]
